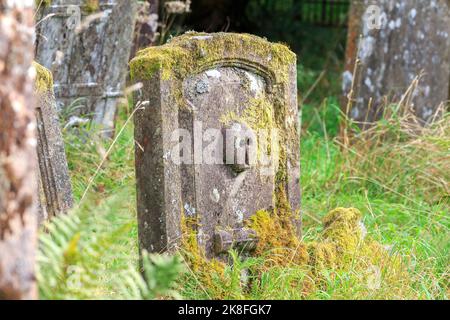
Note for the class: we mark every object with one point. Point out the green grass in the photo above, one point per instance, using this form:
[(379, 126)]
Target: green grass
[(398, 183), (414, 228)]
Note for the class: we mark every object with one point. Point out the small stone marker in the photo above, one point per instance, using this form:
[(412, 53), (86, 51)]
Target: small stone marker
[(218, 140), (400, 40), (87, 46), (54, 180)]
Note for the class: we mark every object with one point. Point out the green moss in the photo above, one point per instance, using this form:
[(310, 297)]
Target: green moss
[(91, 6), (166, 59), (322, 255), (207, 271), (43, 3), (195, 52), (44, 78), (191, 52), (278, 239), (259, 114), (341, 247)]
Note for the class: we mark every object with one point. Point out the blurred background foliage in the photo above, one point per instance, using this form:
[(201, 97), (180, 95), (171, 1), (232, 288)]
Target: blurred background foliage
[(316, 30)]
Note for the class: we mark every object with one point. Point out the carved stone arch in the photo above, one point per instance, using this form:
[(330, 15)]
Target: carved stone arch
[(251, 66)]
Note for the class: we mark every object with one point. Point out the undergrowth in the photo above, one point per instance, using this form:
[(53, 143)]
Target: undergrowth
[(93, 256), (395, 174)]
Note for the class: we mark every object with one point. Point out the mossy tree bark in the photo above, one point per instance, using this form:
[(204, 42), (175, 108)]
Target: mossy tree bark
[(18, 185)]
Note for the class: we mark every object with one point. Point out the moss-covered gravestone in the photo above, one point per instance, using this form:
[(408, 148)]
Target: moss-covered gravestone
[(54, 180), (217, 141), (86, 44)]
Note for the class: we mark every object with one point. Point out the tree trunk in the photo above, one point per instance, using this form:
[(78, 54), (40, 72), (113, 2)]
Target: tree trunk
[(396, 41), (18, 175)]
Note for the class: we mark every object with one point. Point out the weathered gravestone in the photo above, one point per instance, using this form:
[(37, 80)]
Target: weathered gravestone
[(396, 41), (218, 141), (87, 45), (54, 180)]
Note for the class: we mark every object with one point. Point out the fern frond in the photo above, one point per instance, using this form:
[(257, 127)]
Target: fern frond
[(94, 255)]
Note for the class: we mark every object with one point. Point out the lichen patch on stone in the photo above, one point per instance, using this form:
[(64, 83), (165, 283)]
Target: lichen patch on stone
[(44, 78)]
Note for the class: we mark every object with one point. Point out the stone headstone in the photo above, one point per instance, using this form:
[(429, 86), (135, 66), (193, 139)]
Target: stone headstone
[(218, 139), (87, 47), (396, 41), (54, 180)]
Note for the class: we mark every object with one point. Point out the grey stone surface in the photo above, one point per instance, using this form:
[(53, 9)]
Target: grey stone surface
[(413, 39), (54, 180), (214, 86), (88, 60)]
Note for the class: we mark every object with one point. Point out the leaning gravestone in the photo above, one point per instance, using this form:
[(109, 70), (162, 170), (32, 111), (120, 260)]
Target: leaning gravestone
[(396, 41), (218, 140), (87, 45), (54, 180)]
